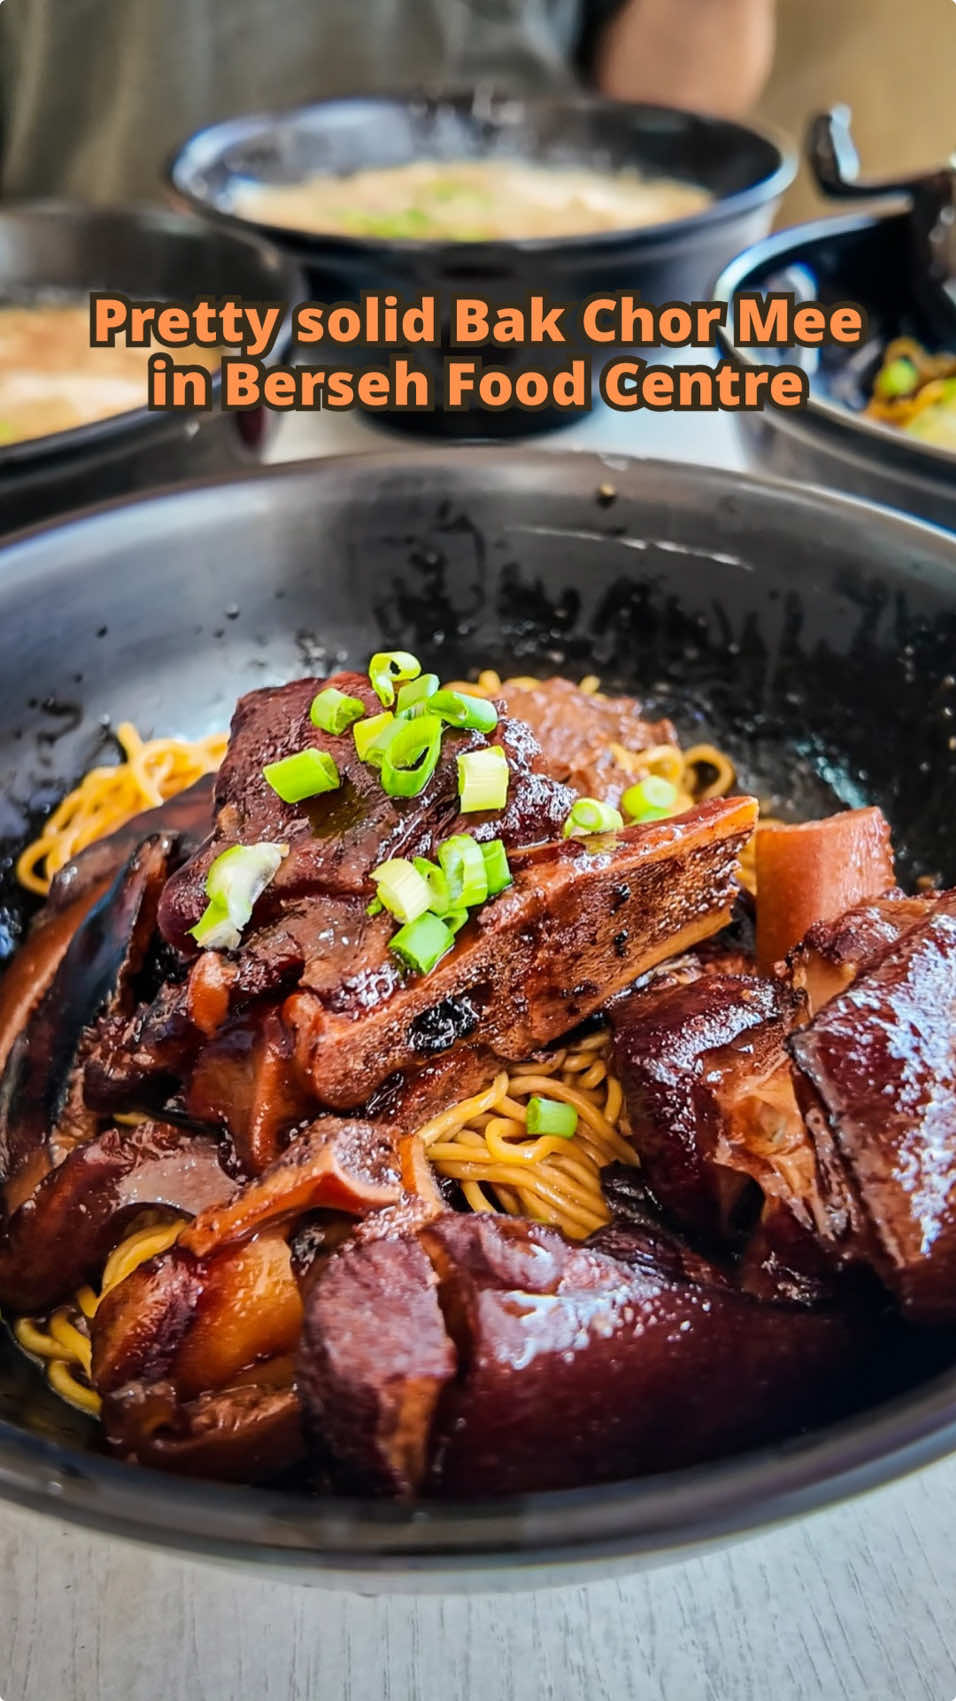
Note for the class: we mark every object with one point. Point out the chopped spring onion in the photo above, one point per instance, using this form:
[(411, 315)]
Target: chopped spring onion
[(333, 712), (589, 816), (483, 779), (306, 774), (410, 755), (375, 907), (551, 1116), (416, 693), (401, 888), (650, 800), (235, 882), (389, 668), (368, 733), (497, 871), (437, 883), (455, 919), (464, 869), (459, 709), (898, 378), (422, 943)]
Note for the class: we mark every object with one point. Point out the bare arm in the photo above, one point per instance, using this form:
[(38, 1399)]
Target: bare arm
[(712, 55)]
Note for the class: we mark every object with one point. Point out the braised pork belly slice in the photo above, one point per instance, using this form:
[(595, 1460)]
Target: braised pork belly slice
[(582, 736), (580, 922), (835, 953), (42, 1113), (61, 1236), (516, 1362), (876, 1075), (336, 839), (714, 1118)]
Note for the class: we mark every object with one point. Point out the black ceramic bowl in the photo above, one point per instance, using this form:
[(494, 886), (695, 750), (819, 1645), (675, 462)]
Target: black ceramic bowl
[(865, 260), (780, 620), (70, 250), (746, 171)]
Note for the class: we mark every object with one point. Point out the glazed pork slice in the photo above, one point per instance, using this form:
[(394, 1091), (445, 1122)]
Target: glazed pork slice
[(41, 1109), (581, 921), (876, 1074), (63, 1233), (582, 735), (713, 1116), (336, 839), (835, 953), (483, 1355)]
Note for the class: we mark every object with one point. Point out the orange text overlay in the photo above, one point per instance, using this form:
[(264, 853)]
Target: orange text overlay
[(530, 354)]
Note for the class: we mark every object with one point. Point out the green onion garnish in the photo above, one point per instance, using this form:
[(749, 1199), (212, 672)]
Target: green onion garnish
[(333, 712), (455, 919), (497, 871), (459, 709), (589, 816), (410, 755), (416, 693), (367, 734), (483, 779), (389, 668), (375, 907), (650, 800), (401, 889), (422, 943), (551, 1116), (437, 883), (214, 931), (235, 882), (306, 774), (464, 869), (898, 378)]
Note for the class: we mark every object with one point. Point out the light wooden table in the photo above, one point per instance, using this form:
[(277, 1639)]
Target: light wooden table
[(855, 1604)]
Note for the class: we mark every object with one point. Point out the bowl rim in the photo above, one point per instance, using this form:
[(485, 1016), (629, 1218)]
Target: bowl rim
[(157, 220), (649, 1518), (313, 243), (870, 437)]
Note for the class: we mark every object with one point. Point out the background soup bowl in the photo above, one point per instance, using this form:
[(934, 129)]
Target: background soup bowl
[(63, 252), (745, 170), (782, 621), (866, 260)]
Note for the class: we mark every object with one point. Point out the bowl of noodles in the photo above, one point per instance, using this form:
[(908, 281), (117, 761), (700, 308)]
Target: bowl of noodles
[(880, 419), (496, 196), (427, 886), (74, 423)]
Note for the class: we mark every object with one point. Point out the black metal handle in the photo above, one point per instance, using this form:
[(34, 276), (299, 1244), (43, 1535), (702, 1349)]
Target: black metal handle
[(835, 163)]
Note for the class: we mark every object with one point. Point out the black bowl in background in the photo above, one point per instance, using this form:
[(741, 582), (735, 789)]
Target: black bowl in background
[(783, 621), (746, 170), (149, 254), (867, 261)]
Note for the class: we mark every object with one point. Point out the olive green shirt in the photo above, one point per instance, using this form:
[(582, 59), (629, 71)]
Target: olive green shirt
[(95, 94)]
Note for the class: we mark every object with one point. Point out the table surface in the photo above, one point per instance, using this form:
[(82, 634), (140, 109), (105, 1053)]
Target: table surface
[(853, 1604)]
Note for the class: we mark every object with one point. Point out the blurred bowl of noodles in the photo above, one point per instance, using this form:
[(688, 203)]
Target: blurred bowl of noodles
[(881, 419), (476, 195)]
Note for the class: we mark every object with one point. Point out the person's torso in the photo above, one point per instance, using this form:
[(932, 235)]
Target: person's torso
[(96, 93)]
